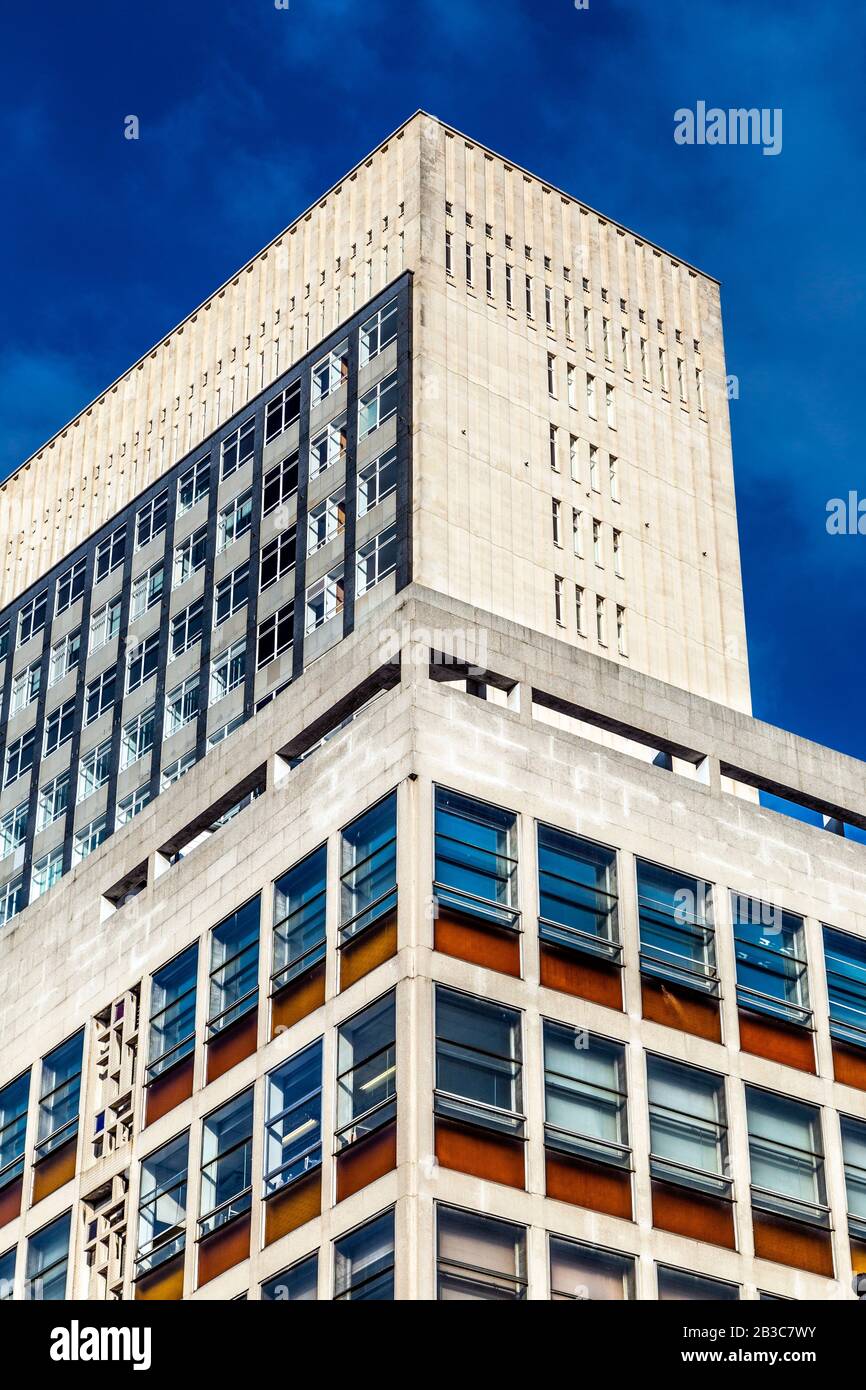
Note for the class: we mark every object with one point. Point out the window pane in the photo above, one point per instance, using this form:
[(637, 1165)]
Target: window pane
[(581, 1272), (162, 1205), (364, 1262), (59, 1094), (226, 1170), (299, 1282), (14, 1100), (476, 864), (676, 933), (577, 893), (677, 1284), (172, 1013), (479, 1258), (300, 899), (584, 1090), (478, 1065), (770, 954), (369, 867), (293, 1130), (47, 1259), (234, 967), (786, 1155), (366, 1071), (845, 958), (688, 1132)]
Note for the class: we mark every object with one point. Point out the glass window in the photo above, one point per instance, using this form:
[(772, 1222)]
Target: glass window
[(13, 829), (7, 1275), (94, 769), (228, 670), (105, 624), (137, 738), (368, 868), (98, 699), (366, 1071), (129, 806), (59, 1092), (377, 332), (330, 374), (300, 1281), (771, 960), (364, 1261), (151, 520), (110, 553), (234, 967), (787, 1157), (478, 1062), (172, 772), (299, 918), (146, 590), (845, 960), (679, 1284), (60, 723), (142, 661), (328, 447), (162, 1205), (377, 558), (585, 1095), (479, 1258), (65, 656), (14, 1100), (688, 1126), (293, 1128), (377, 405), (584, 1272), (230, 594), (53, 801), (280, 483), (326, 521), (281, 412), (31, 618), (47, 1261), (89, 838), (181, 705), (4, 641), (278, 558), (235, 520), (854, 1154), (226, 1163), (237, 448), (193, 485), (186, 628), (376, 481), (11, 900), (324, 599), (189, 556), (476, 858), (577, 889), (676, 928), (25, 687), (172, 1013), (19, 757), (275, 635), (47, 870)]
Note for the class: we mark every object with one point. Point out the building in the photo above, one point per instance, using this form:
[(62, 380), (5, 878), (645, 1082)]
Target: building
[(388, 905)]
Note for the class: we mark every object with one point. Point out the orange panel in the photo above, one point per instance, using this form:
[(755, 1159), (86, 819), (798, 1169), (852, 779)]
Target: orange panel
[(582, 975), (849, 1065), (467, 938), (169, 1090), (366, 1161), (298, 998), (224, 1249), (777, 1041), (231, 1046), (370, 948), (584, 1184), (480, 1153), (10, 1201), (858, 1256), (164, 1284), (292, 1206), (52, 1172), (693, 1214), (790, 1243), (681, 1008)]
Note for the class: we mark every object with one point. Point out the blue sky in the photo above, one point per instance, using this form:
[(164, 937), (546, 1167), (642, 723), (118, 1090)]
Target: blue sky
[(247, 112)]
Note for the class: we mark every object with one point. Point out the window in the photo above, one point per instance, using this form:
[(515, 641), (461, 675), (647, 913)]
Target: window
[(129, 806), (679, 1284), (548, 307), (94, 770), (226, 1164), (193, 485), (854, 1154), (577, 532), (327, 448), (771, 960), (88, 839), (60, 723), (787, 1157), (676, 928), (613, 476), (585, 1096), (476, 858), (577, 889), (528, 295), (571, 384), (228, 670), (19, 757), (235, 520), (172, 772), (234, 967), (580, 1272), (31, 619), (280, 483), (368, 868), (663, 372), (223, 732), (567, 312), (13, 829), (47, 1262), (555, 517), (626, 358), (181, 705), (4, 641), (293, 1124), (278, 558), (605, 336), (644, 365), (579, 610), (53, 801), (573, 457), (688, 1127), (162, 1205), (237, 448), (326, 520), (376, 481), (509, 286), (377, 558), (189, 556), (377, 406), (681, 381), (7, 1275), (59, 1091), (47, 870), (478, 1062), (377, 332), (468, 263), (699, 388), (299, 918), (141, 662), (137, 738), (617, 553), (172, 1013), (324, 599), (11, 900), (621, 644), (558, 611), (151, 520), (25, 687), (553, 446), (478, 1257), (105, 624), (590, 396), (299, 1282), (845, 962), (275, 635), (364, 1262), (65, 656), (587, 328), (488, 274), (14, 1100), (596, 544), (70, 586), (284, 410), (230, 594), (551, 375), (329, 374), (593, 469), (610, 406), (366, 1072), (186, 628)]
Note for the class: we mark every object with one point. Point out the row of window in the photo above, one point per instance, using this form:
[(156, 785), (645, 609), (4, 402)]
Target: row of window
[(581, 606)]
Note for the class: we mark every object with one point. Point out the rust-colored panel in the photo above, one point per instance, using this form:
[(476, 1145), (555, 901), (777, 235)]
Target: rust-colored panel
[(790, 1243), (588, 978), (776, 1040), (224, 1249), (467, 938), (10, 1201), (231, 1046), (849, 1065), (681, 1008), (164, 1284), (693, 1214), (52, 1172), (480, 1153), (369, 949), (297, 999), (366, 1161), (292, 1206), (584, 1184), (169, 1090), (858, 1256)]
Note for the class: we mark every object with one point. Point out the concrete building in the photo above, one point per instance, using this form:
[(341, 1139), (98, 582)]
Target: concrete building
[(388, 906)]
